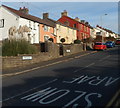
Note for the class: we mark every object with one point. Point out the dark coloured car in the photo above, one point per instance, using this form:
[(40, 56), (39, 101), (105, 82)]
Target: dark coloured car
[(110, 44), (117, 42), (99, 46)]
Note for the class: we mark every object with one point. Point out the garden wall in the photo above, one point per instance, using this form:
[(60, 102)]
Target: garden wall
[(53, 52)]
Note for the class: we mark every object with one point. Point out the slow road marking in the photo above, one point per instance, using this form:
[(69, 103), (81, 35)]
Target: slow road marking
[(29, 90)]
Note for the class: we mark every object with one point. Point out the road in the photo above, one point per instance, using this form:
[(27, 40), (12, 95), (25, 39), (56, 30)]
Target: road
[(90, 80)]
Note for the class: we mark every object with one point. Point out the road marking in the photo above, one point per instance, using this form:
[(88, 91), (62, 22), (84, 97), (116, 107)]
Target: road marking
[(113, 99), (84, 67), (28, 90), (104, 58), (25, 71)]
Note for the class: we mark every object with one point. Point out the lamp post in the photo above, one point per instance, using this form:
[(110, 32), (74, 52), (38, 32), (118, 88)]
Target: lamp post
[(101, 19)]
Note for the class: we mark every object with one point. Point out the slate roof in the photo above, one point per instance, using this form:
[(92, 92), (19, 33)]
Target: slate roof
[(77, 21), (53, 22), (28, 16)]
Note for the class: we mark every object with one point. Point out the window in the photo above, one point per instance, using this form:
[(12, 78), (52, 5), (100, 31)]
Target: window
[(1, 23), (74, 25), (66, 23), (73, 32), (68, 30), (45, 28), (59, 28), (46, 38), (29, 24), (34, 26)]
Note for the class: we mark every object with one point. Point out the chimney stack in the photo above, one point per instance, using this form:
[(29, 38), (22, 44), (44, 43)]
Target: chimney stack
[(45, 15), (65, 13), (83, 21), (24, 10), (77, 19)]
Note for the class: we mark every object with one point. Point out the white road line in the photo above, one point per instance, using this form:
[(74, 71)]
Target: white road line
[(104, 58), (28, 90), (25, 71), (84, 67)]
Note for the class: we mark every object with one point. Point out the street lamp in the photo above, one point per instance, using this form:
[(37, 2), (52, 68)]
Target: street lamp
[(102, 19), (102, 22)]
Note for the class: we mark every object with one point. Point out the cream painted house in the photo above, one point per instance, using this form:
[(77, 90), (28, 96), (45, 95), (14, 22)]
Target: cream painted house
[(66, 32), (62, 30)]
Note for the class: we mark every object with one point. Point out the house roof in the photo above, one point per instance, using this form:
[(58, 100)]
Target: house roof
[(28, 16), (107, 30), (77, 21), (57, 22)]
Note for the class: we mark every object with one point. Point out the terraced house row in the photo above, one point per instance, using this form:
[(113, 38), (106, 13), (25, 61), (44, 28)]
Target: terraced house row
[(19, 24)]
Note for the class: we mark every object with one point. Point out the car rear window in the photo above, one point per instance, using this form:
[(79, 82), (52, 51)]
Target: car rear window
[(109, 42), (98, 43), (118, 41)]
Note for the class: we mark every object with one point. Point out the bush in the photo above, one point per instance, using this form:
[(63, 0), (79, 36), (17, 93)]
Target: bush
[(15, 47), (50, 39), (62, 40), (77, 41)]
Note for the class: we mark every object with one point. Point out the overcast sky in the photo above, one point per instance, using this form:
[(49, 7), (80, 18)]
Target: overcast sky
[(89, 11)]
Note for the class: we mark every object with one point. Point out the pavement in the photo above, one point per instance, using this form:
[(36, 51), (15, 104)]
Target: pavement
[(31, 67)]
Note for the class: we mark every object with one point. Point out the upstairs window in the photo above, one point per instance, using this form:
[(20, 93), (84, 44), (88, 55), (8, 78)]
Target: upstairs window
[(34, 26), (45, 28), (66, 23), (74, 25), (1, 23), (30, 24)]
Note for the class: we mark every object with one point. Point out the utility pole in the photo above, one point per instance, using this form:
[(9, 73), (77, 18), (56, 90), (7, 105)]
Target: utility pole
[(101, 19)]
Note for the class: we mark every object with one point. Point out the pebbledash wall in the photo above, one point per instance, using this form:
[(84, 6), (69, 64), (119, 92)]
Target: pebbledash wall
[(53, 52)]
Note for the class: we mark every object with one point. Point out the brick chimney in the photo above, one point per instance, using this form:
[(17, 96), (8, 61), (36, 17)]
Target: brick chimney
[(65, 13), (83, 21), (45, 15), (77, 19), (24, 10)]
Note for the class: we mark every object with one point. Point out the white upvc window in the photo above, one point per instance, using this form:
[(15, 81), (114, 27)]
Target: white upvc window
[(46, 38), (1, 23), (34, 26), (45, 28), (29, 24)]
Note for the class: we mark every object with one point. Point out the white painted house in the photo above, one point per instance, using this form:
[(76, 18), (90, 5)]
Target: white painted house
[(19, 24)]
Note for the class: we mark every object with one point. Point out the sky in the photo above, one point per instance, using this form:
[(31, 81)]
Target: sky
[(92, 12)]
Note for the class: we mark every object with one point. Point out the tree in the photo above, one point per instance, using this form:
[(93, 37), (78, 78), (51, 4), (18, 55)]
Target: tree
[(77, 41)]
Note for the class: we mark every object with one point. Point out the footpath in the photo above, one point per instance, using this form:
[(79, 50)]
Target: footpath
[(28, 68)]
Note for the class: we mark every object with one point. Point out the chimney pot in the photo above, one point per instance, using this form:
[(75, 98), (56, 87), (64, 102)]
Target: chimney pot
[(45, 15), (24, 10), (65, 13), (77, 19)]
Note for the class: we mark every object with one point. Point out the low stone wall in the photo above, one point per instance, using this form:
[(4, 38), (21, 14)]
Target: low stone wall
[(72, 49), (53, 52), (23, 60)]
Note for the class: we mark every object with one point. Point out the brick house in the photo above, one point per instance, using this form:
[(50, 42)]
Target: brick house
[(83, 28)]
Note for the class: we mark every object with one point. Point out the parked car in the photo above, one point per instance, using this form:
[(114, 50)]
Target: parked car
[(99, 46), (110, 44), (117, 42)]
